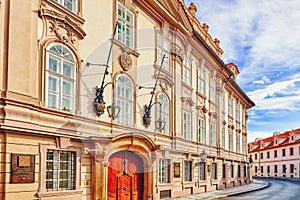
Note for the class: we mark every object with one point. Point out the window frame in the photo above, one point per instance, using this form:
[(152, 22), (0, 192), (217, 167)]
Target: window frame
[(201, 80), (201, 130), (186, 71), (188, 171), (165, 112), (122, 34), (60, 76), (44, 147), (187, 126), (212, 90), (212, 133), (161, 48), (123, 99), (202, 174), (164, 171), (230, 106), (214, 171), (74, 9)]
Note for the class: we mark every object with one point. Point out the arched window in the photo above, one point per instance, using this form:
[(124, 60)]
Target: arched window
[(124, 99), (60, 78), (162, 98)]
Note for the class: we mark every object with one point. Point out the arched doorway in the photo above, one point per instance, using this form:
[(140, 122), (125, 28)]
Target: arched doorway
[(125, 176)]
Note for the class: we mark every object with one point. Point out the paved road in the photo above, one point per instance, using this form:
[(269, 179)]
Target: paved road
[(277, 190)]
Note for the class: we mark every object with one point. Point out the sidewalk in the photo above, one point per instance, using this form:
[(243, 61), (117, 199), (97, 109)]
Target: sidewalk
[(255, 185)]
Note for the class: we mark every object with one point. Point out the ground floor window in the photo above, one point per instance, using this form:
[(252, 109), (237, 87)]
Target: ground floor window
[(60, 170), (214, 171), (231, 171), (223, 170), (164, 165), (245, 171), (239, 171), (202, 171), (187, 170)]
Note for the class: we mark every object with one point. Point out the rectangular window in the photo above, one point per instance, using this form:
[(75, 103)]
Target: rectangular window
[(256, 169), (202, 171), (232, 171), (212, 90), (244, 138), (283, 152), (164, 170), (177, 170), (201, 81), (163, 48), (212, 134), (237, 112), (230, 106), (275, 169), (187, 125), (283, 168), (268, 154), (187, 170), (275, 153), (60, 170), (261, 169), (245, 171), (255, 156), (238, 142), (268, 169), (214, 171), (223, 137), (261, 155), (186, 76), (223, 102), (239, 171), (244, 117), (292, 167), (69, 4), (125, 26), (223, 170), (201, 131), (291, 151), (230, 135)]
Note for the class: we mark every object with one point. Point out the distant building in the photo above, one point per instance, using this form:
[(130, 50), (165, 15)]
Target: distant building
[(276, 156)]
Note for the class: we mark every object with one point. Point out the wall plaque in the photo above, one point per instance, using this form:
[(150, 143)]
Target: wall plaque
[(22, 168)]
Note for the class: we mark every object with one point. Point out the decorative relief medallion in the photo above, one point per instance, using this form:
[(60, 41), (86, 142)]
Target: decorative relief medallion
[(125, 61)]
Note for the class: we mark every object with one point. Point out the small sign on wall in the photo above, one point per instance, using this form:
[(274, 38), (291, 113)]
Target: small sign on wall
[(22, 168)]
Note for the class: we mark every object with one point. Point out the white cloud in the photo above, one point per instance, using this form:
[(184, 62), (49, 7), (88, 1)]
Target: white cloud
[(262, 81)]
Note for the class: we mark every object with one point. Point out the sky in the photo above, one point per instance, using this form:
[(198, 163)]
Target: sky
[(262, 37)]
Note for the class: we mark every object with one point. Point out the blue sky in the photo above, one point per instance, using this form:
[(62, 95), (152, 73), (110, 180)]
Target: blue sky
[(262, 37)]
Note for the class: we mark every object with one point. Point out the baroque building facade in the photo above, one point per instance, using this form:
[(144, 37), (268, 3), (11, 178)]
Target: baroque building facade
[(53, 144), (277, 156)]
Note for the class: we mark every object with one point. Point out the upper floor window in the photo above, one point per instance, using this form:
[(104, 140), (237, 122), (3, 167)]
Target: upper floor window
[(275, 153), (230, 106), (230, 141), (244, 142), (186, 74), (212, 90), (238, 142), (187, 125), (125, 26), (255, 156), (223, 137), (275, 169), (261, 155), (201, 81), (163, 48), (283, 152), (268, 154), (124, 99), (244, 117), (212, 134), (201, 131), (60, 78), (162, 98), (69, 4), (237, 112), (223, 102), (291, 151)]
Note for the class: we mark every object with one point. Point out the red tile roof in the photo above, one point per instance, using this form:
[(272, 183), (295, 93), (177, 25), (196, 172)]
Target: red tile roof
[(287, 141)]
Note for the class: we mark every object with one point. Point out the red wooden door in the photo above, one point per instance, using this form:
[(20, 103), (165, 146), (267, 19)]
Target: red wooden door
[(124, 187), (125, 176)]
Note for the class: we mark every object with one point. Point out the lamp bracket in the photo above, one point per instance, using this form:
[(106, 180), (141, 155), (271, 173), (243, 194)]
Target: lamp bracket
[(95, 64)]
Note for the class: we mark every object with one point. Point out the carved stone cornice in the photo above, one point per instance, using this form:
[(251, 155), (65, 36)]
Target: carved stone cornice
[(188, 101)]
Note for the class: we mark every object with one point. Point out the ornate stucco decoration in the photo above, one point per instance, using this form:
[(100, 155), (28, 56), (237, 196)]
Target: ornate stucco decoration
[(61, 26), (202, 109), (188, 101), (125, 61), (63, 142)]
